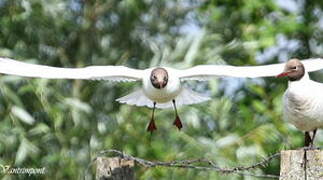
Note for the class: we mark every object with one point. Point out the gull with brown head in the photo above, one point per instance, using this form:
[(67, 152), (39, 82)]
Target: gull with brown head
[(303, 100), (161, 86)]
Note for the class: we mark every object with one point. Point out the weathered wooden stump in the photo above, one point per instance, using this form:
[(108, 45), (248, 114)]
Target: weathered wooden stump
[(294, 167), (114, 169)]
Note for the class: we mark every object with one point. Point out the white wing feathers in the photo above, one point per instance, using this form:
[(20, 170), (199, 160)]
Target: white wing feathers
[(204, 72), (188, 96), (113, 73), (185, 97), (313, 64), (137, 98), (121, 73)]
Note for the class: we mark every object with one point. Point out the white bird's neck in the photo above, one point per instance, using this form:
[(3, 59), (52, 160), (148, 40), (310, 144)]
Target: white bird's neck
[(300, 83)]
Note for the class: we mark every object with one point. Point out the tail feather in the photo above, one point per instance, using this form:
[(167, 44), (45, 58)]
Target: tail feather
[(185, 97)]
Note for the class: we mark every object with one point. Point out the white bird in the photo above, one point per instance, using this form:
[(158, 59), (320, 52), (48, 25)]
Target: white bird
[(303, 100), (161, 85)]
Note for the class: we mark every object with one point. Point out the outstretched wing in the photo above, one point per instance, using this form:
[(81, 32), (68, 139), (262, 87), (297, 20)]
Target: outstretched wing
[(313, 64), (113, 73), (204, 72)]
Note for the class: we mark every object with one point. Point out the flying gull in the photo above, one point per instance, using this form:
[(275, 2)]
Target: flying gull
[(161, 86)]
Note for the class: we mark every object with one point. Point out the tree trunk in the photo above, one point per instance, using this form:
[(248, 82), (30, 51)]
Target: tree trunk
[(114, 169), (294, 167)]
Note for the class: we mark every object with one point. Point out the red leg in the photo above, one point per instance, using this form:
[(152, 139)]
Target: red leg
[(177, 121), (152, 126)]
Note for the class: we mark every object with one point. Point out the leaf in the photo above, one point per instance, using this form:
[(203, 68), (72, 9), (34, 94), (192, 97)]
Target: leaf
[(40, 128), (21, 153), (23, 115), (76, 103), (227, 141), (25, 148)]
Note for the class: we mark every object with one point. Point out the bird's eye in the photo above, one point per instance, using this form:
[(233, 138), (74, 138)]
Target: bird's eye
[(165, 78), (154, 77), (294, 68)]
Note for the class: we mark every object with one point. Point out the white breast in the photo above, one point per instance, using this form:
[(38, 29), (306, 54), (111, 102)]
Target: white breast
[(303, 104), (171, 90)]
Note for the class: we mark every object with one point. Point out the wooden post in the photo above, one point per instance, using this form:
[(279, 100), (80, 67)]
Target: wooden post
[(114, 169), (294, 167)]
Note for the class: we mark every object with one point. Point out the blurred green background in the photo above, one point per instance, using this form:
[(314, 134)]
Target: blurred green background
[(62, 124)]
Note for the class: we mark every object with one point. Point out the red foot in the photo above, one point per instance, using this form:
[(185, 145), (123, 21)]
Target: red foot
[(152, 126), (178, 123)]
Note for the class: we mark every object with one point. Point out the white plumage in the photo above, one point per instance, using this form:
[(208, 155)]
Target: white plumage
[(149, 94), (303, 100), (162, 85), (303, 104)]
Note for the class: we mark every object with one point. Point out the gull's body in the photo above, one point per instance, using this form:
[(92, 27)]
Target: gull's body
[(303, 104), (303, 100), (166, 94), (161, 86), (148, 93)]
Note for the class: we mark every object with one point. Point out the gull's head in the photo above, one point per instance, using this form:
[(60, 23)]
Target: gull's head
[(159, 78), (294, 70)]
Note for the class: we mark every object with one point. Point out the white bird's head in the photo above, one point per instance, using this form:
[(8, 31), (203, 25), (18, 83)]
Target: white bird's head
[(159, 78), (294, 70)]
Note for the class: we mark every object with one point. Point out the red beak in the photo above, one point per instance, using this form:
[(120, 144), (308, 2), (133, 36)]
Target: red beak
[(283, 74)]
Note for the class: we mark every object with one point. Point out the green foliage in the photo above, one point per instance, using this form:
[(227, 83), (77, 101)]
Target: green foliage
[(62, 124)]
